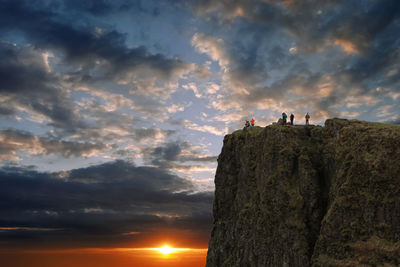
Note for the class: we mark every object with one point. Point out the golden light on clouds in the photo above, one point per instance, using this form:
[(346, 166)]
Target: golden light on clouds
[(347, 46), (239, 12)]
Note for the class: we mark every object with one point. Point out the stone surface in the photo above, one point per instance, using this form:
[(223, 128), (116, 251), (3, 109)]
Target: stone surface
[(308, 196)]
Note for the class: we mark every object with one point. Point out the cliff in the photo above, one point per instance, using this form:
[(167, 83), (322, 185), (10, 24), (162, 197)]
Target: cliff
[(308, 196)]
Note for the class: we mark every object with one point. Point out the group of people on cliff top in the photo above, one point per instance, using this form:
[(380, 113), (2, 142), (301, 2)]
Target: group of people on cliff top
[(247, 124), (282, 121)]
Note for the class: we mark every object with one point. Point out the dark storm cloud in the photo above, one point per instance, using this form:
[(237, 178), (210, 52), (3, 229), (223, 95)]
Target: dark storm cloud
[(22, 62), (100, 204), (13, 141), (136, 177), (101, 53)]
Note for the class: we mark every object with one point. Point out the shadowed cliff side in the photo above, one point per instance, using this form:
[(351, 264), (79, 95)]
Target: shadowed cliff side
[(308, 196)]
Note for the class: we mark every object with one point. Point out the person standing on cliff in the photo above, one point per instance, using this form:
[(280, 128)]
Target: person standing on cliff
[(307, 118), (284, 117), (246, 125), (252, 121), (291, 119)]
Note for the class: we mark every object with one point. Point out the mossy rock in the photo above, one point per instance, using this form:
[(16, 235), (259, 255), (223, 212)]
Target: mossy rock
[(308, 196)]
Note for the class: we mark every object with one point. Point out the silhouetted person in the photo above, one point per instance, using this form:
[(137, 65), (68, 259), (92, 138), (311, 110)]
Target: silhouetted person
[(307, 118), (284, 117), (246, 125), (252, 121), (291, 119)]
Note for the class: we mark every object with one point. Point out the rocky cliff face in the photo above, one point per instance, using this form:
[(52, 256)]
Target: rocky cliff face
[(308, 196)]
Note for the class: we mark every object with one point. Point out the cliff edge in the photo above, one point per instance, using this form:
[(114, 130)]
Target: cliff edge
[(308, 196)]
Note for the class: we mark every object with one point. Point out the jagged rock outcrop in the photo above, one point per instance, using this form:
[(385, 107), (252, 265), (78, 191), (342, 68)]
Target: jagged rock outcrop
[(308, 196)]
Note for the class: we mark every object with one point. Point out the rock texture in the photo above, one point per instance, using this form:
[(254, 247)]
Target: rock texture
[(308, 196)]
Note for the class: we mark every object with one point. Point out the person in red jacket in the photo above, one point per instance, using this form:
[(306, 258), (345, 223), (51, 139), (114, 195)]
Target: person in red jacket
[(252, 122)]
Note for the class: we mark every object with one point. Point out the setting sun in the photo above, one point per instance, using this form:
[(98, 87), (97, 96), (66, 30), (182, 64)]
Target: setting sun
[(166, 250)]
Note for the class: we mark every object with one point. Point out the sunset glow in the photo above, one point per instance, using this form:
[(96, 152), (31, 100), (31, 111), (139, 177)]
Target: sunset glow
[(163, 250), (104, 257), (166, 250)]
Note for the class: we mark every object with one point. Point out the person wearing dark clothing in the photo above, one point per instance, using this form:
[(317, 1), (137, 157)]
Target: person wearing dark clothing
[(307, 118), (246, 125), (284, 117), (291, 119)]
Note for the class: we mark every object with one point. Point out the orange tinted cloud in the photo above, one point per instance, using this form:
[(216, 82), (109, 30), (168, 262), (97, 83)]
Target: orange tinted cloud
[(347, 46)]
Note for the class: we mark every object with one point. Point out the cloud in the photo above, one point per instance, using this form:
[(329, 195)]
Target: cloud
[(301, 54), (151, 133), (38, 93), (314, 31), (347, 46), (98, 205), (6, 110), (193, 87), (213, 47), (212, 88), (261, 55), (313, 24), (240, 64), (113, 101), (14, 141), (175, 108), (98, 54), (177, 156), (96, 7), (203, 71), (203, 128)]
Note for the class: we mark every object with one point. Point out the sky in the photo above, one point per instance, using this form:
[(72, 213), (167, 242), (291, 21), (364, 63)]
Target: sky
[(113, 113)]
